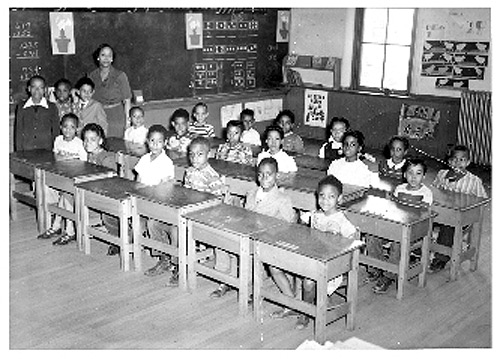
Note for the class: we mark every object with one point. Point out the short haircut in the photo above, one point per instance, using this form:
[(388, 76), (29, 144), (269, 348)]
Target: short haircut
[(235, 123), (94, 127), (85, 81), (460, 148), (339, 120), (414, 161), (247, 112), (36, 77), (179, 113), (200, 104), (62, 81), (157, 128), (402, 139), (268, 161), (70, 116), (358, 135), (135, 108), (274, 128), (287, 113), (203, 141), (97, 52), (331, 180)]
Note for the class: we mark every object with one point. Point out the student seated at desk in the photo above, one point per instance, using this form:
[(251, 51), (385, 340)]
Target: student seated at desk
[(392, 167), (327, 219), (250, 135), (137, 132), (350, 169), (291, 142), (456, 179), (234, 150), (182, 138), (332, 149), (414, 192), (200, 127), (86, 108), (274, 136), (66, 146)]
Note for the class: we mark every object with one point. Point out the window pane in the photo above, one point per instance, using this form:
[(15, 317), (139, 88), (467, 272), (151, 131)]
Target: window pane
[(400, 26), (372, 60), (396, 67), (374, 25)]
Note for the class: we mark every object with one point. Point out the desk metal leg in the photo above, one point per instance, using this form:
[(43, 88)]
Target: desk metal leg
[(352, 289)]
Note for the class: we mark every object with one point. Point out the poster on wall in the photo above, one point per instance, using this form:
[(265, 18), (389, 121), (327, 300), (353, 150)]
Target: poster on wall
[(194, 31), (315, 108), (61, 33), (265, 110), (417, 122), (283, 26), (229, 113)]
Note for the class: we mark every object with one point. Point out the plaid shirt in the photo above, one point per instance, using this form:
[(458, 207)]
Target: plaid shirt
[(205, 180), (239, 153)]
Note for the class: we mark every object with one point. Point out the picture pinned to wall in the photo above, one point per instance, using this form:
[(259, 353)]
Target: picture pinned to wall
[(265, 110), (452, 84), (283, 26), (230, 112), (315, 108), (62, 33), (194, 31), (418, 122)]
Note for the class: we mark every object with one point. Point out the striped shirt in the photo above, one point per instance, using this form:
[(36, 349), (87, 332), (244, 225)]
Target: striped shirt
[(468, 184), (203, 130)]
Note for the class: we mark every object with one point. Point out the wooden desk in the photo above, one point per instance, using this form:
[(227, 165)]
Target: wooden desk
[(127, 155), (167, 202), (458, 210), (312, 254), (399, 223), (231, 229), (26, 164), (311, 162), (108, 195)]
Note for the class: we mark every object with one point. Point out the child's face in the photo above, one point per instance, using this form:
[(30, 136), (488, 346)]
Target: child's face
[(267, 177), (198, 155), (459, 160), (105, 57), (414, 176), (62, 92), (180, 125), (247, 122), (68, 129), (200, 114), (233, 134), (137, 118), (37, 90), (92, 141), (86, 92), (328, 196), (351, 148), (398, 151), (338, 130), (156, 142), (285, 123), (274, 141)]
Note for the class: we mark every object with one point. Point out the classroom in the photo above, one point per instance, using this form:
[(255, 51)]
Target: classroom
[(250, 178)]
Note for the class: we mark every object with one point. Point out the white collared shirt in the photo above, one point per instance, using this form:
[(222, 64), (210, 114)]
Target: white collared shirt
[(42, 103)]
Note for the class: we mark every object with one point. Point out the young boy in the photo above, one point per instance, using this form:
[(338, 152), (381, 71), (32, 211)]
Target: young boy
[(200, 127), (64, 102), (328, 219), (181, 140), (274, 140), (456, 179), (332, 149), (291, 142), (415, 192), (234, 150), (250, 134), (137, 132), (37, 120), (86, 108)]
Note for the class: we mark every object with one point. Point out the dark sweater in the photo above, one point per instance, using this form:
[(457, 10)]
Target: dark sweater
[(35, 127)]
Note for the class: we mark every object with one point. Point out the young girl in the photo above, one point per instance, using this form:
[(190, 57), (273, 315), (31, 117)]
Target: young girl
[(66, 146), (86, 108), (137, 132), (64, 101), (392, 168), (291, 142), (234, 150), (274, 140), (413, 192), (332, 149), (350, 169), (181, 140), (328, 219)]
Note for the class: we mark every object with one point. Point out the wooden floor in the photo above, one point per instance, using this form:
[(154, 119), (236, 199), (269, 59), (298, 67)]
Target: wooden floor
[(63, 299)]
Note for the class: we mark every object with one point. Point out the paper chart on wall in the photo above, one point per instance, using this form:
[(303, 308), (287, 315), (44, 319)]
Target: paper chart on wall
[(230, 112), (315, 108), (266, 109)]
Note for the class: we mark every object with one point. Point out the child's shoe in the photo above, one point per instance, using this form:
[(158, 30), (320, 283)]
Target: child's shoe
[(173, 281), (113, 250), (437, 265), (372, 276), (302, 322), (382, 285), (162, 266), (221, 291), (50, 233)]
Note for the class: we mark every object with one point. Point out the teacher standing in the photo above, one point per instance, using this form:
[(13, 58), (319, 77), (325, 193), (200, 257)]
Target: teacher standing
[(112, 90)]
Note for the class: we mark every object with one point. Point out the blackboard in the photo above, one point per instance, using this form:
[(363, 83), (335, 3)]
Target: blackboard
[(151, 49)]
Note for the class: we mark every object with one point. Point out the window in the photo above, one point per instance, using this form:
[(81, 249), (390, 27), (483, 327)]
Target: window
[(384, 49)]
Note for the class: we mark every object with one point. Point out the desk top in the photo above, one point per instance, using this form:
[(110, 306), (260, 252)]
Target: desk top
[(455, 200), (33, 157), (388, 210), (171, 194), (312, 162), (116, 144), (76, 169), (309, 242), (114, 187), (235, 219)]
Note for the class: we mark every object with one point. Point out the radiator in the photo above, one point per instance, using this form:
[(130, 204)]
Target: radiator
[(474, 125)]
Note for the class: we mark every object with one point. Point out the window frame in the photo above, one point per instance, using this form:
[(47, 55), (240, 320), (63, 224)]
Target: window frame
[(356, 63)]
